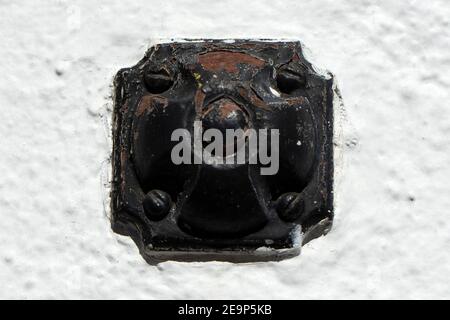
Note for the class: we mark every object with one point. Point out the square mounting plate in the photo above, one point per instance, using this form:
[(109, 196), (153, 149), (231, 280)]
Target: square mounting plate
[(207, 211)]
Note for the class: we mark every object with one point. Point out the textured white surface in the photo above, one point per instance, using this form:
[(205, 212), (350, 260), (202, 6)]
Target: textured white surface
[(391, 237)]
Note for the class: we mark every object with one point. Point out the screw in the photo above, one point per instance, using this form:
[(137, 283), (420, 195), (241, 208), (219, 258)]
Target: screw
[(156, 204), (290, 206)]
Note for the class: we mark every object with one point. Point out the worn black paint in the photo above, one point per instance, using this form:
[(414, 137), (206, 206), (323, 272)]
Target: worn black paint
[(198, 212)]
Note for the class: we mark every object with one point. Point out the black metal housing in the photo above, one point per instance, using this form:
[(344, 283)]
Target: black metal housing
[(202, 212)]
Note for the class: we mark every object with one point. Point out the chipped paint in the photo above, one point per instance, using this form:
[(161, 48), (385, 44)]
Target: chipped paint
[(228, 61)]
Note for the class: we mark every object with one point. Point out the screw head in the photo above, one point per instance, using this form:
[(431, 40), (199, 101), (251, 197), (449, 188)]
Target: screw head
[(290, 206), (156, 204), (158, 81)]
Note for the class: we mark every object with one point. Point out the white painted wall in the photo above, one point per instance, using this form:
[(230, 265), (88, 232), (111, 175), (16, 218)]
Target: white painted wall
[(391, 237)]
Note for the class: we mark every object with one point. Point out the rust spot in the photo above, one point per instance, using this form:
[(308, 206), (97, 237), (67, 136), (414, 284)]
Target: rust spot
[(227, 60), (208, 110), (253, 98), (296, 101), (150, 102), (124, 107), (227, 107), (198, 100)]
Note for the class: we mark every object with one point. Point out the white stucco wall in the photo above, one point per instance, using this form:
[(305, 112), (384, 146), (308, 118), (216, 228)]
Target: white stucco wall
[(391, 237)]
